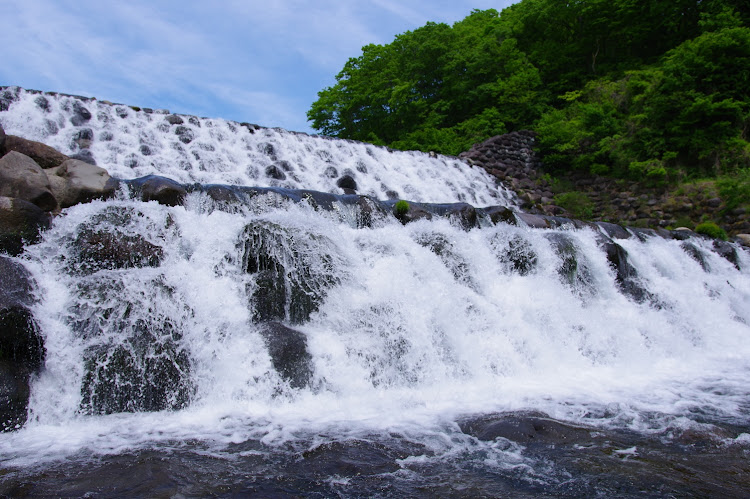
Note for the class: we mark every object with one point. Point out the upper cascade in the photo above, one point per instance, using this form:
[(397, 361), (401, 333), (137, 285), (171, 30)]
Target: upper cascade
[(132, 142)]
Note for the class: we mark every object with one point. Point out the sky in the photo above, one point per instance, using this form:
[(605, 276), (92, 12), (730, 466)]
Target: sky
[(246, 60)]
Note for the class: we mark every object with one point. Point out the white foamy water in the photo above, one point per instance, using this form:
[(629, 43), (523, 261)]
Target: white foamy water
[(132, 144), (419, 324), (413, 326)]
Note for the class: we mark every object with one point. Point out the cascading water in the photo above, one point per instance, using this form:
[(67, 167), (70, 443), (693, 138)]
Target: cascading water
[(188, 149), (263, 338)]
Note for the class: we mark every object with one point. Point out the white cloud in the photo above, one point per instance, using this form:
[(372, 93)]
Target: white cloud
[(225, 58)]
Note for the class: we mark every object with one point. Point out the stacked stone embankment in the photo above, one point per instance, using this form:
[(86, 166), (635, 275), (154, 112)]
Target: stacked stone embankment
[(511, 158)]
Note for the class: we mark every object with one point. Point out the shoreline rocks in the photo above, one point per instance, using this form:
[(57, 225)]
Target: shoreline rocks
[(511, 159)]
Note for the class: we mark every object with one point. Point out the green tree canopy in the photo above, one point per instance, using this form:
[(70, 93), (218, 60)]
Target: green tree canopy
[(624, 87)]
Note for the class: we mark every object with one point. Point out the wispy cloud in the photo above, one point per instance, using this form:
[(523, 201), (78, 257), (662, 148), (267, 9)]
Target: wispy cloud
[(253, 60)]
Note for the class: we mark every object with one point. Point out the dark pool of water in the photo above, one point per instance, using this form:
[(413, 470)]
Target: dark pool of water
[(500, 455)]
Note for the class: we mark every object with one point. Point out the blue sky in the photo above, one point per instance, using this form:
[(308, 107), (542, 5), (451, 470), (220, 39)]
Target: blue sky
[(245, 60)]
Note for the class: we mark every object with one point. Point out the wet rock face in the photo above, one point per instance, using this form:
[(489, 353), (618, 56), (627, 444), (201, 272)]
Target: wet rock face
[(22, 350), (288, 351), (160, 189), (525, 428), (573, 269), (96, 250), (147, 371), (626, 275), (21, 222), (696, 254), (102, 244), (516, 254), (292, 271)]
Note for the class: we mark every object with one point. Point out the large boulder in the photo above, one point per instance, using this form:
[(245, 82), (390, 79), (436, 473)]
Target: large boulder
[(80, 114), (626, 276), (135, 358), (21, 344), (21, 223), (95, 250), (160, 189), (526, 428), (2, 141), (573, 268), (288, 351), (44, 155), (292, 269), (75, 182), (21, 177)]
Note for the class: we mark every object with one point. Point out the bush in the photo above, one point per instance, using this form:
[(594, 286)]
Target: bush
[(710, 229), (735, 190), (577, 203), (401, 208)]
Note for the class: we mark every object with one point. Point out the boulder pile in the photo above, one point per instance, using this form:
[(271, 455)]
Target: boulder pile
[(36, 182), (511, 159)]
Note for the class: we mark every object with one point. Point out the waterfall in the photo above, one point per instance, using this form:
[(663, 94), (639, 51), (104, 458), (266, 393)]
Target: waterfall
[(274, 320)]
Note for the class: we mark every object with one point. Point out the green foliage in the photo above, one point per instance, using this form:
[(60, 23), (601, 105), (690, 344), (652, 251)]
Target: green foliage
[(710, 229), (656, 91), (401, 208), (437, 88), (735, 190), (576, 203)]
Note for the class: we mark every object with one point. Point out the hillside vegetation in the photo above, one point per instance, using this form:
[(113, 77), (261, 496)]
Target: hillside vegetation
[(657, 92)]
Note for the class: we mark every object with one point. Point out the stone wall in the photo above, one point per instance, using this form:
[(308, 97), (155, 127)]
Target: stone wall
[(511, 159)]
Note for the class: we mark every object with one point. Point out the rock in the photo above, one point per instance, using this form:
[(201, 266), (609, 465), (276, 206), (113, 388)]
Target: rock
[(331, 172), (444, 249), (83, 138), (21, 222), (274, 172), (744, 239), (500, 214), (728, 252), (173, 119), (517, 256), (292, 270), (682, 233), (147, 368), (80, 114), (613, 230), (696, 254), (347, 182), (288, 351), (626, 275), (80, 182), (713, 203), (534, 221), (21, 345), (463, 214), (2, 141), (94, 250), (526, 428), (413, 214), (85, 155), (44, 155), (185, 134), (21, 177), (160, 189), (368, 210), (572, 270)]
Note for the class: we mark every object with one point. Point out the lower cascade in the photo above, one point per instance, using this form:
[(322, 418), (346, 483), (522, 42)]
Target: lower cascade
[(327, 344)]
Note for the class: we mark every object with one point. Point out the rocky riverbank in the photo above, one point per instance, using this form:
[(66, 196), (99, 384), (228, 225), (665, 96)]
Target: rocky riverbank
[(511, 158)]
